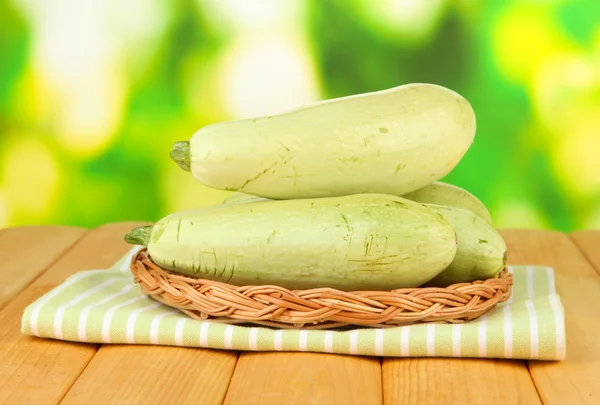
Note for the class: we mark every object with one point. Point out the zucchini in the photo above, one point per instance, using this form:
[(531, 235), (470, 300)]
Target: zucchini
[(438, 193), (447, 194), (481, 252), (392, 141), (241, 197), (357, 242)]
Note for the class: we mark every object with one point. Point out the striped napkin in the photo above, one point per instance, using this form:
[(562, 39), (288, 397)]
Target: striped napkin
[(106, 306)]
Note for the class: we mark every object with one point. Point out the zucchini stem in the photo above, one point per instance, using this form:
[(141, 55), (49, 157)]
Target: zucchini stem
[(139, 235), (181, 154)]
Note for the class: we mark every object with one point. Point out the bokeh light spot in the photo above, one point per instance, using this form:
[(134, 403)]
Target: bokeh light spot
[(517, 213), (31, 177), (577, 156), (245, 15), (524, 37), (406, 20), (77, 57), (266, 75), (92, 115), (564, 86)]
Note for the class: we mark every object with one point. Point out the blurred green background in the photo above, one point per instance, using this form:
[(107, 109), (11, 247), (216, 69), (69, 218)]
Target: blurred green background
[(93, 94)]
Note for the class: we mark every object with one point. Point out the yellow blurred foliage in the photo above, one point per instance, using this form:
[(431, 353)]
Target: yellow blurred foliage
[(525, 37), (92, 113), (593, 221), (518, 213), (565, 97), (92, 95), (265, 75), (4, 214), (410, 21), (31, 178), (182, 192), (577, 155)]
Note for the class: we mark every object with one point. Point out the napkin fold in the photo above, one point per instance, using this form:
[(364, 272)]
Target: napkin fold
[(106, 306)]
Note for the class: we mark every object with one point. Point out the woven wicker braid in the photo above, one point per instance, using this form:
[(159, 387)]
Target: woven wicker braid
[(318, 308)]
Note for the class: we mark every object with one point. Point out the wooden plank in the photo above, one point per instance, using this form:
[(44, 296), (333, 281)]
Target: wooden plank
[(303, 378), (26, 252), (187, 376), (459, 381), (575, 380), (40, 371), (456, 381), (588, 243)]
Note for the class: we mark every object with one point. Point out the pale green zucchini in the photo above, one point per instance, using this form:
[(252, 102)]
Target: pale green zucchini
[(447, 194), (481, 252), (241, 197), (392, 141), (438, 193), (358, 242)]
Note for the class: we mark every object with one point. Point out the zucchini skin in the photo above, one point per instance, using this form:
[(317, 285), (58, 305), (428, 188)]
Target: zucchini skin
[(440, 193), (391, 142), (481, 252), (357, 242)]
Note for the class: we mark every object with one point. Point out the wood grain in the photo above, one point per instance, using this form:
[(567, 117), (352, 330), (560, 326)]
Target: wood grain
[(186, 376), (458, 381), (575, 380), (154, 375), (588, 243), (27, 252), (305, 378), (40, 371)]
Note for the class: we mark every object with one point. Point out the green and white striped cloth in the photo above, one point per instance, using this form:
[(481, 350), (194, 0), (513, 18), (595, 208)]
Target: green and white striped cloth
[(106, 306)]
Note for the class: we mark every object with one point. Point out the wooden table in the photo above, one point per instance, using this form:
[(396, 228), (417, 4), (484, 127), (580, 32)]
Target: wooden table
[(33, 260)]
